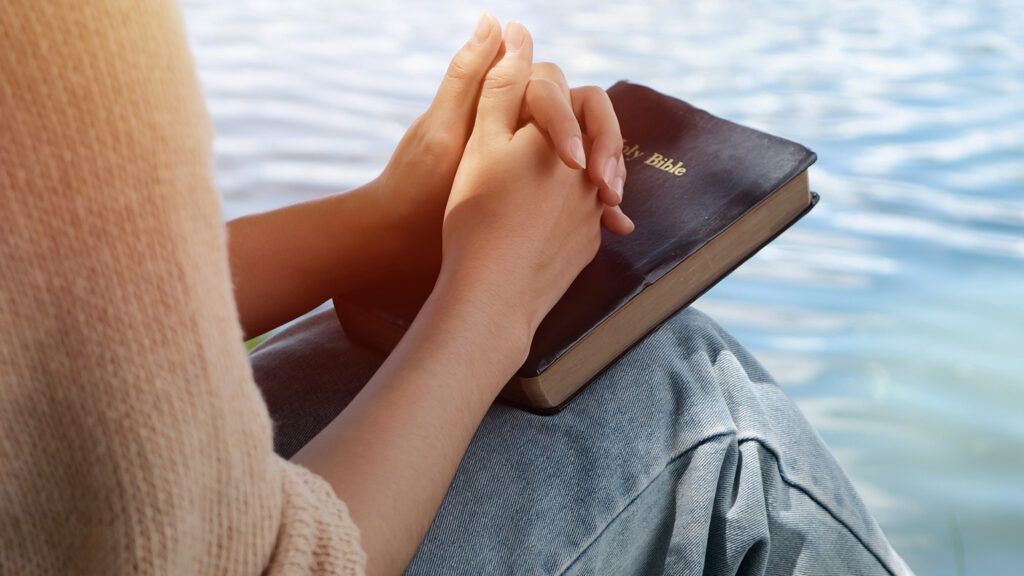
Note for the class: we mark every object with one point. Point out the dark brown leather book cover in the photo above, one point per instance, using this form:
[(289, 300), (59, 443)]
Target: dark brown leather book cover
[(690, 176)]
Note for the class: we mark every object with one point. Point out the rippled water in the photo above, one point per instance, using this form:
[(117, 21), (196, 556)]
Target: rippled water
[(892, 314)]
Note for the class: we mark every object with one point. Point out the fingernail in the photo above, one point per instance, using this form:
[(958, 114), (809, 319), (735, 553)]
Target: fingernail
[(483, 29), (515, 35), (576, 146), (617, 186), (611, 168)]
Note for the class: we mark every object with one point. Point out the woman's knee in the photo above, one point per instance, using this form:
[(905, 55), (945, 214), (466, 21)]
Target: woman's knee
[(690, 335), (687, 368)]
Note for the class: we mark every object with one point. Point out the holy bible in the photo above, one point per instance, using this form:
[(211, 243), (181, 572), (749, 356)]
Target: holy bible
[(705, 194)]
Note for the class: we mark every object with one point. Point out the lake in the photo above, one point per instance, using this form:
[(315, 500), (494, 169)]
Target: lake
[(891, 314)]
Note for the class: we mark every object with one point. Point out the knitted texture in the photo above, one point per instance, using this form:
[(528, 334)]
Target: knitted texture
[(132, 437)]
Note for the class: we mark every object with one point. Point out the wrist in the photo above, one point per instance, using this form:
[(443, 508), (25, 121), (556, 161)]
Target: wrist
[(402, 234), (381, 224), (497, 313), (411, 216), (361, 234)]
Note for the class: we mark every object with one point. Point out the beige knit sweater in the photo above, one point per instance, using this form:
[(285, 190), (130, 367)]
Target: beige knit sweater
[(132, 437)]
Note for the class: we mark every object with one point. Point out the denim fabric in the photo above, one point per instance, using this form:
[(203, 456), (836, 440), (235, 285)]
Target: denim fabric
[(684, 457)]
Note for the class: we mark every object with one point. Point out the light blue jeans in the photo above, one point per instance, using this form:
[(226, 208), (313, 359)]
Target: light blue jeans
[(684, 457)]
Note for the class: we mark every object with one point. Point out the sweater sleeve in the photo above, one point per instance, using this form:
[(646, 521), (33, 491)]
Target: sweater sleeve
[(132, 436)]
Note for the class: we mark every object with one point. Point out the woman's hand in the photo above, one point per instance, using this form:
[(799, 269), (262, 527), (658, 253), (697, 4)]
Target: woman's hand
[(415, 185), (520, 224), (382, 241), (413, 188), (517, 228), (577, 118)]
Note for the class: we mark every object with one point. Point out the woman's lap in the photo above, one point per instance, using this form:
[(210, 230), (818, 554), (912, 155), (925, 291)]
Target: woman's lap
[(684, 457)]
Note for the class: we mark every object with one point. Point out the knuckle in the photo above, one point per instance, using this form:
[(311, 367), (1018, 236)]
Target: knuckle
[(549, 70), (590, 90), (459, 69), (435, 143), (497, 83), (543, 95), (597, 95), (546, 85), (600, 94)]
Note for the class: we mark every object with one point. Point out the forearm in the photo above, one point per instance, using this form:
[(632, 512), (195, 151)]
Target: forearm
[(288, 261), (394, 450)]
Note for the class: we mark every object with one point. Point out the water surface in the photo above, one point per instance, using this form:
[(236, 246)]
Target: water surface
[(892, 314)]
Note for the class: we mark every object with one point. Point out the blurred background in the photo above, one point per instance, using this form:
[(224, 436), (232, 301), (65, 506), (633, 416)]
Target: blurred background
[(892, 314)]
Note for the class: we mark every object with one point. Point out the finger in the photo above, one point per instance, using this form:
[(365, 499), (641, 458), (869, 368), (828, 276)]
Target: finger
[(455, 102), (549, 71), (505, 83), (552, 72), (597, 116), (548, 102), (616, 222), (552, 111), (608, 195)]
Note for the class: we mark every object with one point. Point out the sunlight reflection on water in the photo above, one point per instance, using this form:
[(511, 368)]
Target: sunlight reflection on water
[(891, 314)]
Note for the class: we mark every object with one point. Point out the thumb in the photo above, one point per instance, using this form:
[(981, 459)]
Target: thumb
[(505, 84), (456, 98)]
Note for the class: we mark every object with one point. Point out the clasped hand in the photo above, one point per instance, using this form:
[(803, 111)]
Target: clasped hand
[(498, 191), (509, 174)]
